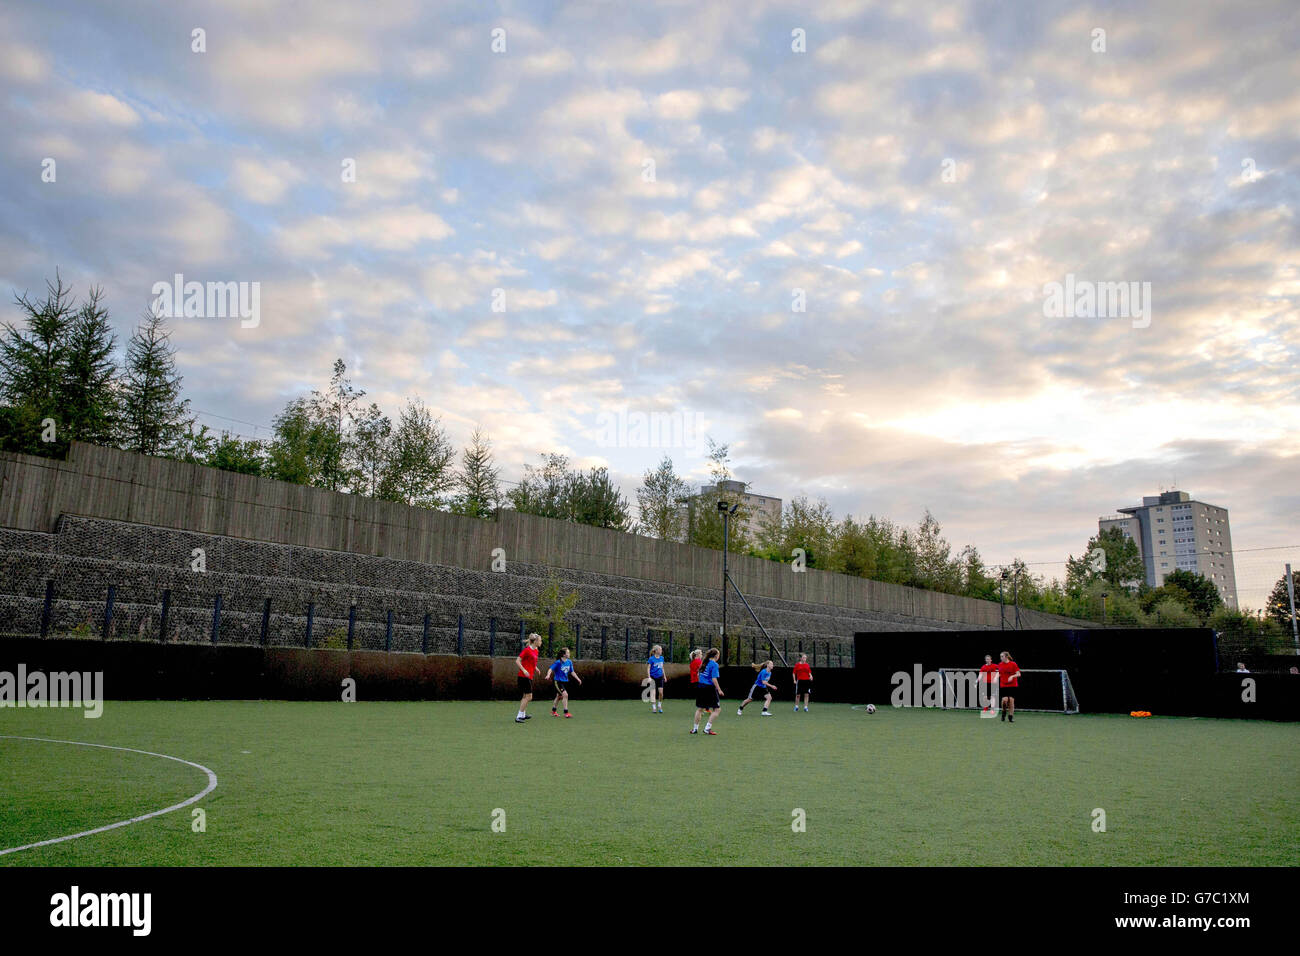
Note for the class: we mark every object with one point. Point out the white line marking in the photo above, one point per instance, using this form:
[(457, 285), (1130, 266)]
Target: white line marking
[(212, 785)]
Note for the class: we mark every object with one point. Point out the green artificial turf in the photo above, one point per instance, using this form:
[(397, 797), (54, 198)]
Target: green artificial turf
[(418, 783)]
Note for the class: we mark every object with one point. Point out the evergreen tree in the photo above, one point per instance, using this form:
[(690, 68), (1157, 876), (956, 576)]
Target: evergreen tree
[(89, 399), (33, 370), (594, 499), (478, 478), (154, 417)]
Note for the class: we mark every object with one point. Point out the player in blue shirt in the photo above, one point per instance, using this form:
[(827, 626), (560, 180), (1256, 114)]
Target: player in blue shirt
[(562, 669), (655, 675), (708, 692), (762, 687)]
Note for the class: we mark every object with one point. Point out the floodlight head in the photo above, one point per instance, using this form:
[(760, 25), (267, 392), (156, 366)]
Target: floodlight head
[(722, 506), (1005, 574)]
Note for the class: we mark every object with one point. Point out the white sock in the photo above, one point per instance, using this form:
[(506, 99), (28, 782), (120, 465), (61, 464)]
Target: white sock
[(709, 725), (520, 714)]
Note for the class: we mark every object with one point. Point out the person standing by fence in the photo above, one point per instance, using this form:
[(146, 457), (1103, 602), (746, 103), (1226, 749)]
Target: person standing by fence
[(526, 663)]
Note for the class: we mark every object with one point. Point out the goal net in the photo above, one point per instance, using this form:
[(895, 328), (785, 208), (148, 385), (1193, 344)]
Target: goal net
[(1038, 690)]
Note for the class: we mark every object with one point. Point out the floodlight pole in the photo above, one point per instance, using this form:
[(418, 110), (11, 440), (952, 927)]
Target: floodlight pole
[(1015, 596), (726, 527), (1002, 601), (1290, 596)]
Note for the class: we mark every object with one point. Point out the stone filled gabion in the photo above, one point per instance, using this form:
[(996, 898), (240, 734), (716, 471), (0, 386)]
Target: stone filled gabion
[(85, 556)]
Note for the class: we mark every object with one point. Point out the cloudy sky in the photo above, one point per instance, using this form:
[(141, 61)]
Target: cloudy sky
[(821, 233)]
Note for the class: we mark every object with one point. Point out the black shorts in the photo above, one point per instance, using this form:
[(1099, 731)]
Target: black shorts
[(802, 687), (1007, 691), (524, 685), (757, 691), (706, 697), (561, 687), (659, 682)]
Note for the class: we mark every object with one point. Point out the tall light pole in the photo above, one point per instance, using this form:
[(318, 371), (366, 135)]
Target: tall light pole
[(1002, 601), (1290, 596), (726, 544)]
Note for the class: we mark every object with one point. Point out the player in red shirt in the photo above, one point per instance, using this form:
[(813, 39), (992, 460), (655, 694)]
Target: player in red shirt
[(697, 661), (526, 662), (987, 690), (802, 682), (1008, 681)]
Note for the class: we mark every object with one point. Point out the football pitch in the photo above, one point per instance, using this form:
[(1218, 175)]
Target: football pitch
[(459, 783)]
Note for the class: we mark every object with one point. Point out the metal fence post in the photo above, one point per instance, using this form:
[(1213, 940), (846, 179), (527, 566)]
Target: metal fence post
[(216, 618), (604, 637), (550, 637), (266, 620), (577, 641), (492, 637), (108, 611), (162, 618), (48, 608), (388, 632), (352, 623), (627, 643), (460, 635), (670, 647), (523, 635), (424, 640), (311, 614)]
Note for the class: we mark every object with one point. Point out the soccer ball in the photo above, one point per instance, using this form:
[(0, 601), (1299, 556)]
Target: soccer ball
[(871, 708)]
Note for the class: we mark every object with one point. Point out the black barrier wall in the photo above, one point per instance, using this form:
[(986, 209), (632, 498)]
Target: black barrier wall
[(144, 671), (1167, 671)]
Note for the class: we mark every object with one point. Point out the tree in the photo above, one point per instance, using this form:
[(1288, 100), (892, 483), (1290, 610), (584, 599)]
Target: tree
[(707, 525), (1203, 597), (594, 499), (478, 478), (552, 609), (976, 581), (1278, 606), (154, 417), (659, 502), (88, 394), (333, 411), (543, 491), (1169, 611), (369, 450), (1123, 562), (33, 368), (293, 454), (802, 525), (232, 453), (934, 565), (1244, 635), (419, 470)]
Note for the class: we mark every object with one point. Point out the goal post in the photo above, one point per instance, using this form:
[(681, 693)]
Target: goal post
[(1048, 690)]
